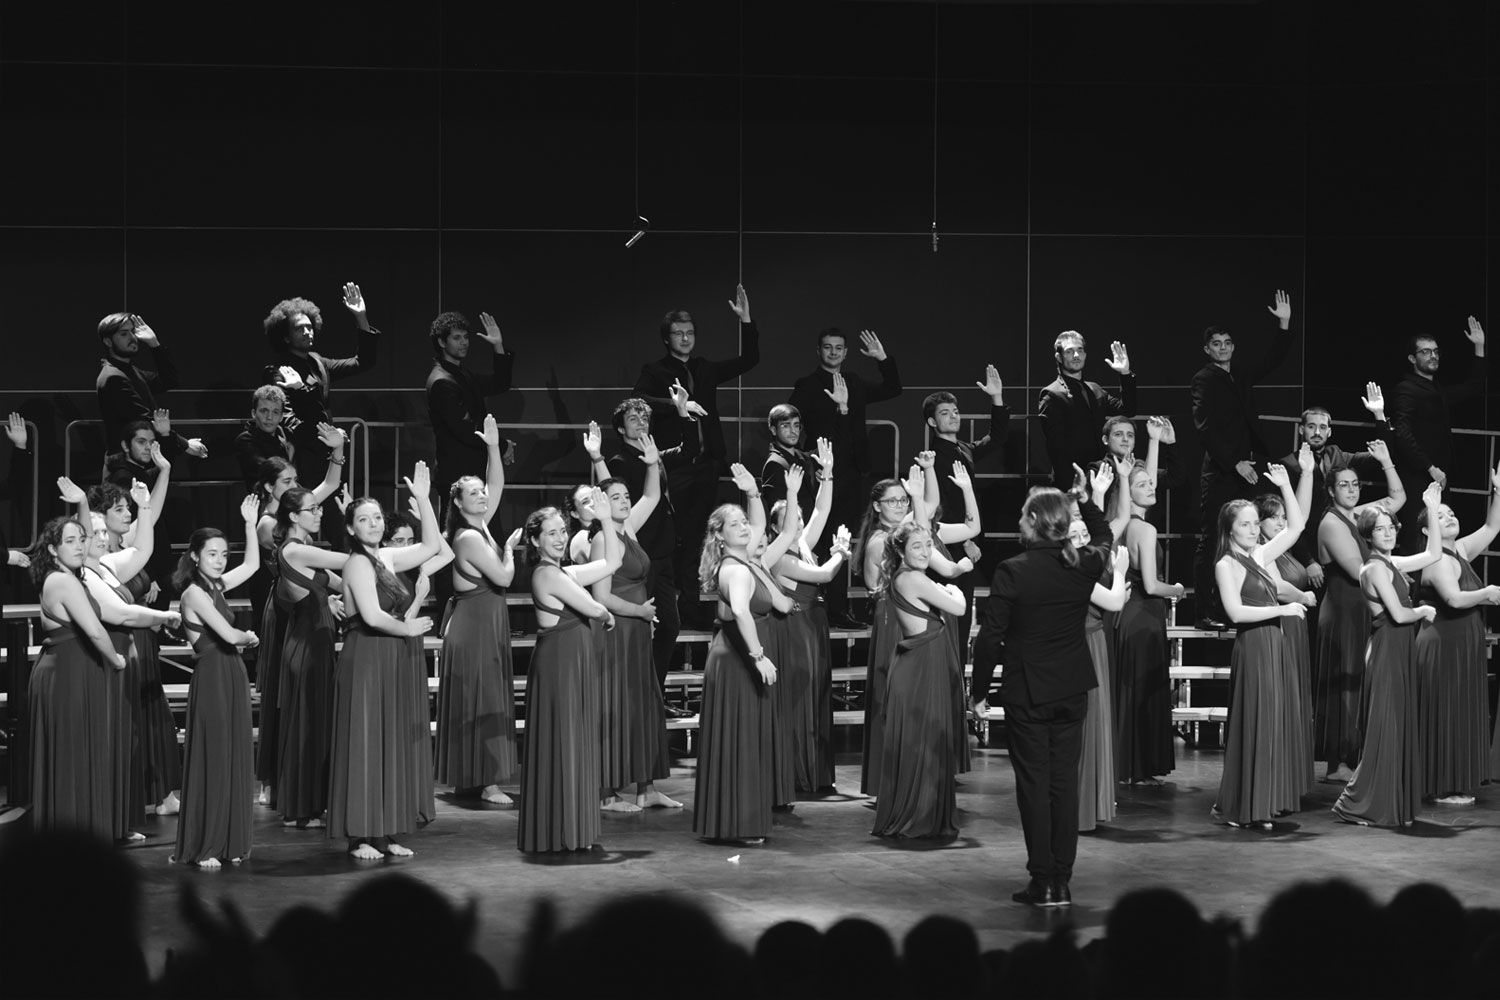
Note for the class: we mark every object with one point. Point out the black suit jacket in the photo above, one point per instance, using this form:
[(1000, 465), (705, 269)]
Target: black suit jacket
[(1422, 413), (127, 393), (701, 378), (1223, 411), (456, 404), (966, 452), (1305, 548), (252, 446), (820, 417), (658, 536), (308, 406), (1072, 412), (1036, 611)]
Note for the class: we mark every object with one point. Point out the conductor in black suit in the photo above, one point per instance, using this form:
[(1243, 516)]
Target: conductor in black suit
[(1036, 609), (1073, 410)]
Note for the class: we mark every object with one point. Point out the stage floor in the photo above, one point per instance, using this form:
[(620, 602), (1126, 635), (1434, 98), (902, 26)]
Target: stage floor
[(821, 864)]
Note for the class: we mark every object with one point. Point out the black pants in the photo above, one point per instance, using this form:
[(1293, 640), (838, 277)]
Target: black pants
[(850, 496), (695, 491), (1045, 742), (663, 588), (1215, 489)]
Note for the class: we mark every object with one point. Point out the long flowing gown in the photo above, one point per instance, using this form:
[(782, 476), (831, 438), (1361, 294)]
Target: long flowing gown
[(735, 785), (953, 625), (1262, 772), (885, 633), (916, 796), (1386, 789), (376, 786), (218, 766), (1096, 762), (159, 759), (808, 676), (1142, 685), (268, 678), (128, 796), (305, 711), (1299, 645), (783, 744), (476, 703), (632, 716), (72, 778), (1343, 631), (1452, 686), (560, 773)]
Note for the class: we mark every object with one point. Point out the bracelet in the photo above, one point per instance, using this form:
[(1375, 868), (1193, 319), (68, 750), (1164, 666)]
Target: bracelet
[(336, 461), (143, 506), (752, 496), (758, 656)]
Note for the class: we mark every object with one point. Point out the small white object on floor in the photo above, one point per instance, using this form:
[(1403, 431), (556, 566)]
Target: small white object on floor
[(735, 860)]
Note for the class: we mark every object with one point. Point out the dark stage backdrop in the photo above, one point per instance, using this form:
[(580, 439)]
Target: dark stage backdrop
[(1133, 171)]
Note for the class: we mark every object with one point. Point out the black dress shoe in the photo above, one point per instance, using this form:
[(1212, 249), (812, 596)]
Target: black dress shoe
[(1061, 894), (1036, 893), (673, 712), (848, 623), (1209, 624)]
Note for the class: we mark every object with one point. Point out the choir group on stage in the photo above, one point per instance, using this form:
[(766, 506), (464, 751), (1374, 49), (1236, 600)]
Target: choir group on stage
[(1390, 693)]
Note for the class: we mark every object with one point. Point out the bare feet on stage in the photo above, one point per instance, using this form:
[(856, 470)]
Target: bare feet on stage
[(365, 851), (395, 850), (653, 799), (170, 806), (1341, 774), (492, 793), (620, 804)]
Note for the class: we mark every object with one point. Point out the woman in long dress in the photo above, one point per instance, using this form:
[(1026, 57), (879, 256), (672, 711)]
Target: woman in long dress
[(156, 759), (890, 501), (1451, 659), (1262, 768), (376, 787), (72, 777), (1142, 686), (306, 577), (916, 796), (633, 717), (735, 784), (560, 774), (1386, 789), (476, 704), (805, 685), (1344, 617), (1294, 586), (218, 767), (765, 554)]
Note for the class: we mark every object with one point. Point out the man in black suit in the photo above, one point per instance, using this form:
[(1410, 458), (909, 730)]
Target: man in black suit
[(1036, 611), (785, 424), (128, 393), (1073, 410), (265, 435), (694, 484), (1422, 414), (1232, 443), (827, 398), (456, 397)]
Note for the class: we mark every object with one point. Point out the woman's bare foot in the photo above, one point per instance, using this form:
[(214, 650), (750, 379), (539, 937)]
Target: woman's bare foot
[(132, 837), (366, 852), (395, 850), (263, 798), (170, 806), (1341, 774), (616, 803), (492, 793), (655, 799), (208, 863)]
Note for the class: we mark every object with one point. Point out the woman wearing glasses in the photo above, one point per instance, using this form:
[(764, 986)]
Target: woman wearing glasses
[(1344, 619), (890, 501)]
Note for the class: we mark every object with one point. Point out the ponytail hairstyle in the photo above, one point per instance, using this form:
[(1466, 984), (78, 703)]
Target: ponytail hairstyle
[(187, 572), (894, 555), (597, 524), (871, 522), (270, 471), (291, 502), (1227, 515), (532, 530), (43, 561), (711, 556), (454, 520), (1045, 520), (386, 582)]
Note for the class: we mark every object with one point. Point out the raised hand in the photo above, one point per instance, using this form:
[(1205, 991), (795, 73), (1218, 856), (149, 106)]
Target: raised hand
[(140, 494), (741, 304), (599, 504), (1380, 451), (839, 393), (343, 498), (72, 494), (1123, 467), (157, 458), (161, 422), (842, 541), (1432, 496), (743, 480), (992, 386), (1282, 310), (1305, 458), (144, 333), (1102, 479), (1154, 427), (15, 429), (490, 432), (870, 345), (491, 332), (915, 482), (1277, 475), (250, 512), (1475, 332), (1438, 475), (679, 396), (1119, 358), (354, 300), (593, 441), (650, 454), (926, 460), (287, 378), (960, 477), (331, 436), (793, 478), (420, 482), (1495, 477), (823, 453), (512, 541), (1374, 400), (1168, 432), (1080, 481)]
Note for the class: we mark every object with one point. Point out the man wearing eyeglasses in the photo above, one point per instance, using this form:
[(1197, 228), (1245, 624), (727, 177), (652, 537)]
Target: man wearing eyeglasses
[(1421, 412)]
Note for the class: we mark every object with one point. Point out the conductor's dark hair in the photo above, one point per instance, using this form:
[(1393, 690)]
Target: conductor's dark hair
[(444, 324), (278, 322), (113, 323)]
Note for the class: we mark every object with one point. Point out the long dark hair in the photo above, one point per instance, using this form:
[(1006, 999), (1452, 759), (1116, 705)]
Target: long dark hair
[(386, 582), (291, 502), (43, 562), (894, 555), (188, 572), (1227, 515), (871, 522), (270, 471), (454, 520), (533, 530), (1045, 519)]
